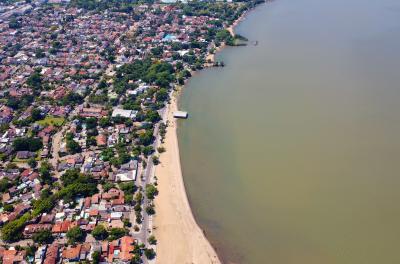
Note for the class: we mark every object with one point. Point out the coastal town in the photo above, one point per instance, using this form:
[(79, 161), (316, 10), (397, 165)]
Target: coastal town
[(85, 91)]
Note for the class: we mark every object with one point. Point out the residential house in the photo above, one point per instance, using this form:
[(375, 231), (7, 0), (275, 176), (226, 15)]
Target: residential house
[(51, 256)]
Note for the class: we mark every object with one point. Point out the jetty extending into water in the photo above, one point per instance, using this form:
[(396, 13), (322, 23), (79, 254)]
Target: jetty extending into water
[(181, 114)]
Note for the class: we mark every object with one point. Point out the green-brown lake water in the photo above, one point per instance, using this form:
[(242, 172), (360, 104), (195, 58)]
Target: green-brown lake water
[(291, 153)]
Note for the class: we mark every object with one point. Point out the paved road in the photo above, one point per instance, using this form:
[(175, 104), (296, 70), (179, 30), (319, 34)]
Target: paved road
[(148, 175)]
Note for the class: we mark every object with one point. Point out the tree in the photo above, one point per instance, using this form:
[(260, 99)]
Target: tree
[(32, 163), (43, 237), (138, 217), (14, 23), (128, 198), (161, 149), (162, 95), (186, 74), (126, 222), (45, 172), (56, 45), (83, 186), (73, 147), (152, 116), (30, 251), (149, 253), (223, 35), (45, 193), (107, 154), (136, 259), (104, 122), (36, 114), (147, 150), (100, 232), (96, 256), (150, 210), (146, 138), (151, 191), (91, 123), (12, 231), (70, 176), (4, 185), (91, 141), (152, 240), (35, 81), (128, 187), (137, 207), (160, 73), (69, 136), (71, 99), (39, 53), (138, 197), (155, 160), (116, 233), (124, 157), (43, 205), (8, 208), (30, 144), (75, 234), (157, 51)]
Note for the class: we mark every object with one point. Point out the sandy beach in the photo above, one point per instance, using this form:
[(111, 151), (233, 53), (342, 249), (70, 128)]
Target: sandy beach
[(180, 239)]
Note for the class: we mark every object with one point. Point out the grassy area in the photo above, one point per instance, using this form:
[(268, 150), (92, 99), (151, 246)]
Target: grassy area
[(51, 120)]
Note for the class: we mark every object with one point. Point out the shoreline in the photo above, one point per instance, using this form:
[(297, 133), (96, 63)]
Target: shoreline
[(210, 57), (180, 238)]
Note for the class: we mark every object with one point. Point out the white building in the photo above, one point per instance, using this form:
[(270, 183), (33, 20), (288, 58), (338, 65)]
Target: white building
[(124, 113), (126, 176)]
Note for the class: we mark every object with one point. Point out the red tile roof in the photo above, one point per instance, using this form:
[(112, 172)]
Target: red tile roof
[(51, 254), (126, 248), (62, 227), (72, 252)]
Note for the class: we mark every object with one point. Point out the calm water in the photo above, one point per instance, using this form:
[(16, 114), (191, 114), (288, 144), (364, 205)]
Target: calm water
[(291, 154)]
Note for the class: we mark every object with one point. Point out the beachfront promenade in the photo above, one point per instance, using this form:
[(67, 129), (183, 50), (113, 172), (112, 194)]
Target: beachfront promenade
[(148, 177)]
